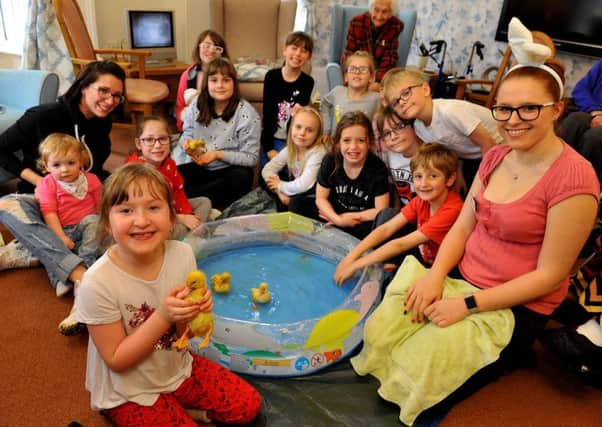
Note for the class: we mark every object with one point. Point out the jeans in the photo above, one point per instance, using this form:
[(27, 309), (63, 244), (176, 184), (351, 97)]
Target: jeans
[(20, 213), (84, 237)]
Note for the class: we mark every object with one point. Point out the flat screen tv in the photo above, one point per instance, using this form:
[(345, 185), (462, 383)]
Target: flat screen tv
[(152, 30), (575, 26)]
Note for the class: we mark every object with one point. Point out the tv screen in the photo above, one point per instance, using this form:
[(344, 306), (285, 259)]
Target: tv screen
[(151, 29), (575, 26)]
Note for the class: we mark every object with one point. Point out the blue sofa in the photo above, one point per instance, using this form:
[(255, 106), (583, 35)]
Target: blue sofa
[(20, 90)]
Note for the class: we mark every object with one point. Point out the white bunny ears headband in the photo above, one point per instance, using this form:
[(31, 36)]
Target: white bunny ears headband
[(528, 53)]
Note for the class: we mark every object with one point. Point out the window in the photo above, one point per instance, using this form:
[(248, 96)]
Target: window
[(12, 25), (301, 16)]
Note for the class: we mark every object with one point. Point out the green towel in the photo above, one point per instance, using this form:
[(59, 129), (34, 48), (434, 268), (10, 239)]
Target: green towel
[(419, 364)]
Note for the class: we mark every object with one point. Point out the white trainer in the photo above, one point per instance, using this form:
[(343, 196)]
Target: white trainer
[(63, 289), (14, 255), (70, 326)]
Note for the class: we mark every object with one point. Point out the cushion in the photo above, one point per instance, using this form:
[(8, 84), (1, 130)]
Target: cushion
[(251, 72)]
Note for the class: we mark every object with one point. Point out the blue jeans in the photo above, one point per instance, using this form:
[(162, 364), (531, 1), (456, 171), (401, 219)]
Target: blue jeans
[(84, 237), (20, 213)]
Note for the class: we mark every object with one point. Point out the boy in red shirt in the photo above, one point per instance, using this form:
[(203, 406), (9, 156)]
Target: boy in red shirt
[(433, 212)]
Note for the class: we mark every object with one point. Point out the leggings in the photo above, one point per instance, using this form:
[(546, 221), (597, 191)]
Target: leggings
[(225, 396)]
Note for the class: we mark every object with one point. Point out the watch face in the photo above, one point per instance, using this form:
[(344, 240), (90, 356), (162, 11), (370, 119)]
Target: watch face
[(471, 303)]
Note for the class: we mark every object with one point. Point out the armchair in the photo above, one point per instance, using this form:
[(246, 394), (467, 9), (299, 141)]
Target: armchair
[(341, 16), (255, 38), (140, 93), (20, 90)]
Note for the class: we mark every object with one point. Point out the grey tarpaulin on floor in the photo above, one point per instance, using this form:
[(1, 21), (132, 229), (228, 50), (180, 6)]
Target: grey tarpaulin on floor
[(333, 397)]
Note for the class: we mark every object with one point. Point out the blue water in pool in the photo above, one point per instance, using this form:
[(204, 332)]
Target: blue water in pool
[(300, 283)]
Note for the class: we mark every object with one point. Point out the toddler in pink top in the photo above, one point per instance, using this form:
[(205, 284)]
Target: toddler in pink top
[(69, 197)]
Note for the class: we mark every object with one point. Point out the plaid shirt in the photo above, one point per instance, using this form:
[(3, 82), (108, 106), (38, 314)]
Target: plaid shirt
[(359, 37)]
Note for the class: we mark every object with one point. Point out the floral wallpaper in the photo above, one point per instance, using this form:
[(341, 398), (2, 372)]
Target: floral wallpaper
[(460, 23)]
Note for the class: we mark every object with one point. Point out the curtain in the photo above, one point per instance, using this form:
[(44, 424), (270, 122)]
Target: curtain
[(44, 47)]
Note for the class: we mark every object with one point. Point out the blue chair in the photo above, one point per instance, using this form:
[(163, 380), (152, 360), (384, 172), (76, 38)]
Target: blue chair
[(20, 90), (341, 16)]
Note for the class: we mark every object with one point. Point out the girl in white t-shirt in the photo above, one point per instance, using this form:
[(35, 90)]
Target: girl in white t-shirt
[(302, 156), (132, 300)]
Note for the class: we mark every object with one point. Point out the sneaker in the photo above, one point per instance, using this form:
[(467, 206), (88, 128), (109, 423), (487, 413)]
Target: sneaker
[(14, 255), (70, 326), (63, 289)]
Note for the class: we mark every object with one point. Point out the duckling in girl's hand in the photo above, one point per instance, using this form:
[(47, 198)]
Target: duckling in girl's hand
[(221, 282), (202, 324), (261, 294)]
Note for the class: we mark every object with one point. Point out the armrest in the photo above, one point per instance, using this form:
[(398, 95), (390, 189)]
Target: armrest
[(334, 75), (23, 89)]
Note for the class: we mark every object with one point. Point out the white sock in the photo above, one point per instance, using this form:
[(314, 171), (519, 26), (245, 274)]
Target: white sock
[(592, 331)]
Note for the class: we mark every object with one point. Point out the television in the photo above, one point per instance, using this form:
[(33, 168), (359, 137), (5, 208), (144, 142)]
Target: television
[(575, 26), (153, 30)]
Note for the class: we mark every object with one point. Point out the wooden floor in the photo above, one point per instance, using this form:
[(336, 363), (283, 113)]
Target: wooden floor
[(42, 373)]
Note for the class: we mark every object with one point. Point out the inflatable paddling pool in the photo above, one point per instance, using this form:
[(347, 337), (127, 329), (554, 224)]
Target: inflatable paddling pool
[(310, 322)]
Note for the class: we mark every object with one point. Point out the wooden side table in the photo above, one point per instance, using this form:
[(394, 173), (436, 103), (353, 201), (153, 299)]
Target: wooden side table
[(169, 75)]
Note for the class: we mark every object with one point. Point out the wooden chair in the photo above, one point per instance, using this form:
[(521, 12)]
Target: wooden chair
[(484, 97), (141, 94)]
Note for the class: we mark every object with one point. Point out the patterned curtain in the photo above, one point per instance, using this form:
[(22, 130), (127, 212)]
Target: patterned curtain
[(44, 47), (319, 22)]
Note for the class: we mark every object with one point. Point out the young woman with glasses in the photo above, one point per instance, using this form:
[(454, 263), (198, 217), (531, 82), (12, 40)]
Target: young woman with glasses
[(83, 112), (529, 211), (209, 45)]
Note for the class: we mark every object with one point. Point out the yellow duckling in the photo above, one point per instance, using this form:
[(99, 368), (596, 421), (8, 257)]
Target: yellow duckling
[(261, 294), (193, 144), (202, 324), (221, 282)]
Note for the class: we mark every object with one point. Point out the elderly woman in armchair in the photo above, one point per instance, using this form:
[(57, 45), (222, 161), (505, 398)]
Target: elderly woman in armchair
[(377, 32)]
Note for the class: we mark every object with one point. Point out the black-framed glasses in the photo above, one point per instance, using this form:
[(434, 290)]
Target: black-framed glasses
[(211, 47), (526, 113), (388, 134), (362, 69), (151, 141), (405, 94), (105, 92)]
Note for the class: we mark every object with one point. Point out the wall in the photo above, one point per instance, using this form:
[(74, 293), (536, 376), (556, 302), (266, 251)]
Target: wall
[(191, 17), (460, 23), (8, 60)]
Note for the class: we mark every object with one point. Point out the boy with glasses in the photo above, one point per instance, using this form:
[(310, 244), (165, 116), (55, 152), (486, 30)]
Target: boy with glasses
[(399, 143), (358, 73), (433, 212), (466, 128)]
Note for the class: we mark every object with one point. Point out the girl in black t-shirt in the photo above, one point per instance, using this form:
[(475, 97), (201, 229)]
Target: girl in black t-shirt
[(352, 182)]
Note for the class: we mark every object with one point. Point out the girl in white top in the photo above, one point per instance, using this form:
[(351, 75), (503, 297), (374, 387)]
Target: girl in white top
[(132, 300), (302, 155)]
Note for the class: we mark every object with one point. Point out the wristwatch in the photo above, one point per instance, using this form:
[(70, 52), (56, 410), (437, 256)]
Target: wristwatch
[(471, 304)]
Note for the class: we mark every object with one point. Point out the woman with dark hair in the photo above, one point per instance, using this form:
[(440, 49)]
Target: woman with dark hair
[(229, 126), (209, 45), (83, 112)]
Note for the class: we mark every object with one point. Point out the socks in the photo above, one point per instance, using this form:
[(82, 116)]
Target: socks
[(592, 331)]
